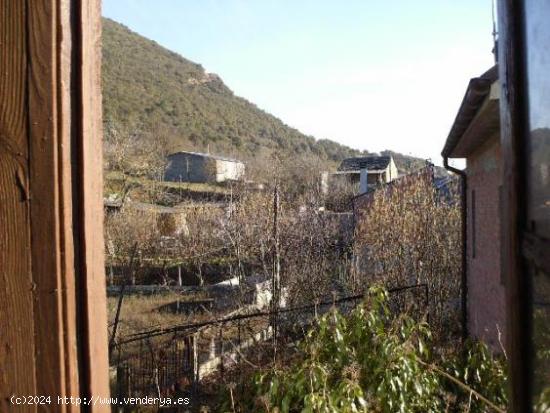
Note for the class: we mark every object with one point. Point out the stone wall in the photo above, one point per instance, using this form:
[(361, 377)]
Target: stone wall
[(188, 167), (202, 168)]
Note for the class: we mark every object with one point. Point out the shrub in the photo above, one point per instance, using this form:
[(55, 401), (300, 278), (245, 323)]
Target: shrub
[(373, 360)]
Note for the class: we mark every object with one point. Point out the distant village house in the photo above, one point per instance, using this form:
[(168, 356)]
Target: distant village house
[(360, 174), (202, 168), (362, 202)]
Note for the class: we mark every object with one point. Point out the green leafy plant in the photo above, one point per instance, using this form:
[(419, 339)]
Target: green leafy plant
[(480, 372), (373, 360)]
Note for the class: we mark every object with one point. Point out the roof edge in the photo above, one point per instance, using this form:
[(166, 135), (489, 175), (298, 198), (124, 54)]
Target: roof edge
[(476, 92), (206, 155)]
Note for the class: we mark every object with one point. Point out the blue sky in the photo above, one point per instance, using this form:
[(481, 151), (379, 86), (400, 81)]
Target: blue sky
[(367, 73)]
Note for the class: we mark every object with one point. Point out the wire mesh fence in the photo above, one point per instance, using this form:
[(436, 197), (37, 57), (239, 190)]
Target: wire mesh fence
[(205, 357)]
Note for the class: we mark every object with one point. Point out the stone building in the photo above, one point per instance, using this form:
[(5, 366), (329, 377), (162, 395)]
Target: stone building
[(360, 174), (202, 168)]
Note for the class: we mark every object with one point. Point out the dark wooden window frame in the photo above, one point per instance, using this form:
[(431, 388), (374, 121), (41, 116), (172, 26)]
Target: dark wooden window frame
[(501, 220), (521, 250), (513, 202), (473, 221)]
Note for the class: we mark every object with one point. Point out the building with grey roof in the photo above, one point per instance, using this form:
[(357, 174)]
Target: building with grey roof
[(357, 175), (202, 168), (370, 163)]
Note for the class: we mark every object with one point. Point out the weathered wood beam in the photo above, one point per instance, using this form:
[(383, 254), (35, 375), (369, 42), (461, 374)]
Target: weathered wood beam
[(53, 334)]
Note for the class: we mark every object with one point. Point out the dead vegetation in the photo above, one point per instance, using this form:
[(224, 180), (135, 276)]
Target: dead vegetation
[(403, 235), (408, 234)]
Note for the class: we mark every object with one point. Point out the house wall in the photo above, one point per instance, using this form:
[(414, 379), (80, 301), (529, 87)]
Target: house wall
[(391, 171), (229, 170), (375, 178), (486, 299), (187, 167)]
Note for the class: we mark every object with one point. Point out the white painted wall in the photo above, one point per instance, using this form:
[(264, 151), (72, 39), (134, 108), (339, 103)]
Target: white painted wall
[(391, 172), (229, 170)]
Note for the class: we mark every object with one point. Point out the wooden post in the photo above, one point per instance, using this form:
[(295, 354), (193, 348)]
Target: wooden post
[(276, 277), (196, 365), (53, 315), (220, 337), (128, 387), (239, 358), (123, 380)]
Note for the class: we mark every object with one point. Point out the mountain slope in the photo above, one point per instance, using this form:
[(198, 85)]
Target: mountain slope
[(150, 89)]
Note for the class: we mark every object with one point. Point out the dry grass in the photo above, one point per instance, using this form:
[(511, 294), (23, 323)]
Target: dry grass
[(115, 181), (141, 312)]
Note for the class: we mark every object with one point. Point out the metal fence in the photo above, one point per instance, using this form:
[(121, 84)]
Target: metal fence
[(197, 358)]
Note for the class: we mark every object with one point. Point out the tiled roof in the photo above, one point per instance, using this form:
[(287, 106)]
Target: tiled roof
[(370, 163)]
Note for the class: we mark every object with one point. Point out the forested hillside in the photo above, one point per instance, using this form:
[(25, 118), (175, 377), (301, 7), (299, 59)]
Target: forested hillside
[(159, 98)]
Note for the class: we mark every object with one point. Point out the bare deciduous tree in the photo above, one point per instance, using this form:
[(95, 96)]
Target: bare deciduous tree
[(408, 235)]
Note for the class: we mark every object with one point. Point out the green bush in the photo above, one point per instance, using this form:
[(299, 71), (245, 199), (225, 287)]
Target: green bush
[(374, 361), (479, 370)]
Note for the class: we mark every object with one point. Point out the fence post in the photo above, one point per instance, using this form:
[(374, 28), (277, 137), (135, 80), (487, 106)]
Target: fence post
[(276, 278), (196, 365), (427, 297), (123, 386), (221, 350), (120, 373), (119, 385), (212, 348), (239, 360)]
